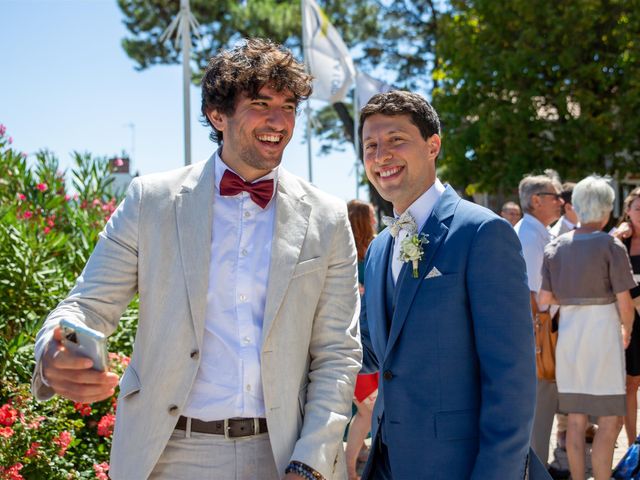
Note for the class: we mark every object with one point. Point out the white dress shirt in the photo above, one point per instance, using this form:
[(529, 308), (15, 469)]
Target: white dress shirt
[(228, 383), (420, 211), (561, 226), (533, 236)]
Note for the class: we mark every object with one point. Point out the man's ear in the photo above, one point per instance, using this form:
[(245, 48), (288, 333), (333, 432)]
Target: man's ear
[(217, 119), (433, 145)]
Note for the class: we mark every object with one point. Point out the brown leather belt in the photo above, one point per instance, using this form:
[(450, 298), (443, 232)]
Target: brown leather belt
[(230, 427)]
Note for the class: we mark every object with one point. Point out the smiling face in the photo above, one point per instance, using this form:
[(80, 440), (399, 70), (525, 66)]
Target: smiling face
[(399, 162), (257, 132)]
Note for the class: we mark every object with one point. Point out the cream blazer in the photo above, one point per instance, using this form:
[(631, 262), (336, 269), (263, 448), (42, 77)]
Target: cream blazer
[(157, 243)]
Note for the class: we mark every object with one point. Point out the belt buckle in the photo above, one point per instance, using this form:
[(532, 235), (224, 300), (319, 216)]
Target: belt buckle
[(226, 429)]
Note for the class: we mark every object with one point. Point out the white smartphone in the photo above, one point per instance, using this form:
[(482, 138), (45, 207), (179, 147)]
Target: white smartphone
[(85, 341)]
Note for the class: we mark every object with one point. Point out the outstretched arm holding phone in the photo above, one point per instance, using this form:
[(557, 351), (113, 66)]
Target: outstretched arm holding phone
[(72, 375)]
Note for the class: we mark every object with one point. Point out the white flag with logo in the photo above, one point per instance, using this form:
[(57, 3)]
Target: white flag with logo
[(367, 87), (329, 60)]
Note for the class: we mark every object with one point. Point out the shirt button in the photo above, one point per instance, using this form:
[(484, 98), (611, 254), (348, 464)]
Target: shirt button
[(244, 252), (248, 388), (247, 214), (173, 409), (387, 375), (195, 354), (246, 340), (243, 298)]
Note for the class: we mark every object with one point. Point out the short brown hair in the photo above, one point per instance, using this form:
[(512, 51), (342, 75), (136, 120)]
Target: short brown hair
[(246, 69), (360, 220), (400, 102)]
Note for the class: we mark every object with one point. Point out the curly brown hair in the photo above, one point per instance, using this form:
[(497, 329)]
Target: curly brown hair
[(400, 102), (360, 220), (246, 69)]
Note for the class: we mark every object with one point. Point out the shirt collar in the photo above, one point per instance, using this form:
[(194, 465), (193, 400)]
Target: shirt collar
[(422, 207), (568, 223), (535, 223), (219, 168)]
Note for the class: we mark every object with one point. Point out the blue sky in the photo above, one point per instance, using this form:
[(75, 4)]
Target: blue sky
[(66, 84)]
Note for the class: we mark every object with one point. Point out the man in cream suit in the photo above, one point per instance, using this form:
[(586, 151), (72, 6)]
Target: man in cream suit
[(445, 316), (247, 345)]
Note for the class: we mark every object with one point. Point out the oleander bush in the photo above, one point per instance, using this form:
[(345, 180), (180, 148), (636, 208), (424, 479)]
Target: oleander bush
[(47, 232)]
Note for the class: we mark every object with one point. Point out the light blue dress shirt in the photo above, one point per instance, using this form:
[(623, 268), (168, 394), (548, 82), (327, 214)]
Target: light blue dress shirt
[(228, 382)]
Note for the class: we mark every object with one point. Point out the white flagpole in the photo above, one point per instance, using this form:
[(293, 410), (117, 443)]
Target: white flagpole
[(186, 77), (356, 137), (305, 51), (183, 24)]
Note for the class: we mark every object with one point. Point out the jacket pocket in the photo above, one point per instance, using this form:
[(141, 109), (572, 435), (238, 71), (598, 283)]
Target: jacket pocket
[(307, 266), (442, 281), (457, 425), (129, 383)]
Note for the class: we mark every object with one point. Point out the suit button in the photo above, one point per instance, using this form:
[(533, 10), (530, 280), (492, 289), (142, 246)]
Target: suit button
[(173, 410), (195, 354), (387, 375)]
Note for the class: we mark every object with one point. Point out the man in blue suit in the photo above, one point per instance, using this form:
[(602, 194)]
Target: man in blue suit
[(446, 317)]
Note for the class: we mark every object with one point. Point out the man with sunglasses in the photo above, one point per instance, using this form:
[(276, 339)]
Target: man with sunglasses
[(541, 202)]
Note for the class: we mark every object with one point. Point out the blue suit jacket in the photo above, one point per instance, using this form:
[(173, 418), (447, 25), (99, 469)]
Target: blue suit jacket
[(457, 369)]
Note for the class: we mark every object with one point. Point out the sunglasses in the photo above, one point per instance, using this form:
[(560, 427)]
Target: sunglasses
[(557, 196)]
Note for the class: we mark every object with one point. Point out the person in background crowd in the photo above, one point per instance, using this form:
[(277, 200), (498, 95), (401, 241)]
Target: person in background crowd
[(541, 201), (511, 212), (363, 224), (632, 353), (247, 346), (586, 272), (569, 220)]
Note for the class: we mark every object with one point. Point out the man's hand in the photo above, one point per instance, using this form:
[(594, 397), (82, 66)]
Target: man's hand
[(71, 375)]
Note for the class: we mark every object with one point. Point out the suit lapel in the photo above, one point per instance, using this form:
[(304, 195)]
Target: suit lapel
[(291, 222), (194, 212), (375, 292), (436, 228)]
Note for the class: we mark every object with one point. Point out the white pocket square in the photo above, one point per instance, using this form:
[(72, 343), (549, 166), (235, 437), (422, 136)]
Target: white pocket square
[(433, 273)]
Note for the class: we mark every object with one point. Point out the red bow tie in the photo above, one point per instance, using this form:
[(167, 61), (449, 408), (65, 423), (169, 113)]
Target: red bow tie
[(260, 192)]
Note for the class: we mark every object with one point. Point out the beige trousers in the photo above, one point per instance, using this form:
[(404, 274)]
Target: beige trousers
[(203, 456)]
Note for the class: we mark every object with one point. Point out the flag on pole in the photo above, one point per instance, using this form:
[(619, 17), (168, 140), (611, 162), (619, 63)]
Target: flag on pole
[(367, 87), (326, 54)]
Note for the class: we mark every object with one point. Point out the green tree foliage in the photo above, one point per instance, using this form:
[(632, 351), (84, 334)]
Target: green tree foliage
[(527, 85)]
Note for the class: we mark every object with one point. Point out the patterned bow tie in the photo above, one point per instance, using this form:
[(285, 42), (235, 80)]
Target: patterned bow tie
[(406, 222), (260, 192)]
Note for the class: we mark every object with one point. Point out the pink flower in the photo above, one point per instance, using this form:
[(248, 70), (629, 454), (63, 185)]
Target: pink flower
[(118, 162), (84, 409), (3, 129), (42, 187), (33, 450), (24, 154), (96, 202), (12, 472), (101, 469), (46, 230), (67, 197), (27, 215), (35, 423), (10, 140), (105, 425), (51, 223), (63, 441), (8, 415), (6, 432), (22, 197)]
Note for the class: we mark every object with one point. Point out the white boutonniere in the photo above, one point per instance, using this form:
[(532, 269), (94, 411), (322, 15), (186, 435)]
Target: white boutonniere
[(411, 250)]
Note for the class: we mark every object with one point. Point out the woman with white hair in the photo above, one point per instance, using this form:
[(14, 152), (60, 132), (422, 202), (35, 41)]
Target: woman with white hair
[(588, 274)]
